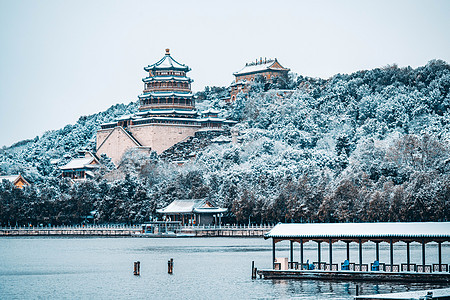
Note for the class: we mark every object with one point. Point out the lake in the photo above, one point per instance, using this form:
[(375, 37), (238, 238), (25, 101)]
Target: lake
[(204, 268)]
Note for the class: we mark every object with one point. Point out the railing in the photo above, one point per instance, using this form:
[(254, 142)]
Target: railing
[(231, 227), (131, 227), (74, 227)]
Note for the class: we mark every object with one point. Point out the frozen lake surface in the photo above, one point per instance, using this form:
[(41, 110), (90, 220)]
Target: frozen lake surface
[(204, 268)]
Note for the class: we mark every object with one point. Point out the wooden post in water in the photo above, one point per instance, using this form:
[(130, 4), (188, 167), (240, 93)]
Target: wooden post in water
[(137, 268), (170, 266), (253, 270), (357, 290)]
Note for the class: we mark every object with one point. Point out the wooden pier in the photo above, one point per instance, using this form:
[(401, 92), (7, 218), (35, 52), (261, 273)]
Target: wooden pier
[(414, 295), (137, 231), (290, 268), (374, 276)]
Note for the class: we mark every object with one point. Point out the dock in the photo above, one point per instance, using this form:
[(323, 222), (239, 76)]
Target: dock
[(294, 267), (137, 231), (438, 277), (416, 295)]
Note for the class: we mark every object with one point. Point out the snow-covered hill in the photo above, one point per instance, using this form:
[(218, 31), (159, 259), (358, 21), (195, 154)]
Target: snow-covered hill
[(368, 146)]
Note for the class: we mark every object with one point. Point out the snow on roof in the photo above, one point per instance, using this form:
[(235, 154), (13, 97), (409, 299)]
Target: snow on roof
[(361, 230), (210, 111), (258, 67), (11, 178), (78, 163), (167, 62), (166, 94), (169, 111), (189, 206), (210, 210), (162, 78)]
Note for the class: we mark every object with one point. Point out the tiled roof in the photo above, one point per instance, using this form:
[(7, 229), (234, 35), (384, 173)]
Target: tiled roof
[(361, 230), (167, 62)]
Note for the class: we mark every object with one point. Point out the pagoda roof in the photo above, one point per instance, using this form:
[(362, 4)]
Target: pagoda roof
[(167, 63), (211, 111), (167, 78), (269, 65), (166, 94)]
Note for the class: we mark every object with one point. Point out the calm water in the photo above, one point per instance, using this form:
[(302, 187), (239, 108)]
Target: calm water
[(204, 268)]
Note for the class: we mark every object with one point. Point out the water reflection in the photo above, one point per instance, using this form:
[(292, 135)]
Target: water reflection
[(203, 269)]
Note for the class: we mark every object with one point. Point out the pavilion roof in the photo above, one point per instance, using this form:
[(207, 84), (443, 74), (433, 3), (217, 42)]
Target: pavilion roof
[(190, 206), (167, 63), (12, 178), (80, 163), (361, 230), (272, 65)]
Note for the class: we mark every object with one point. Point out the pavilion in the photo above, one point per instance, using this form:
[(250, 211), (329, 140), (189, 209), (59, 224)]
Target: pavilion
[(193, 212), (360, 233)]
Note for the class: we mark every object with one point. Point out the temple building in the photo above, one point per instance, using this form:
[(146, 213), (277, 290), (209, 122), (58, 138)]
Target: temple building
[(269, 69), (80, 168), (193, 212), (166, 116), (17, 180)]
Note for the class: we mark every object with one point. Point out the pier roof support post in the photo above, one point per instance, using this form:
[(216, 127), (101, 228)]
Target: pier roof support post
[(360, 253), (408, 255), (291, 249), (301, 254), (273, 254), (440, 255), (391, 248), (423, 254), (377, 251), (331, 252), (318, 252), (348, 250)]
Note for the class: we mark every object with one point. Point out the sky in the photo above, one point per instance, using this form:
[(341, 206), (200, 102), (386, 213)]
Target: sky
[(60, 60)]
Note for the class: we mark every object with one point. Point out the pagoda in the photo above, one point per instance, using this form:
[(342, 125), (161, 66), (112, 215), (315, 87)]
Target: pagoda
[(167, 114)]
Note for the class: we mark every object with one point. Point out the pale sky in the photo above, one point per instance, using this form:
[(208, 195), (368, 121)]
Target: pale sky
[(60, 60)]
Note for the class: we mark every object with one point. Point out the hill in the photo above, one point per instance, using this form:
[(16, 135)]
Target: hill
[(367, 146)]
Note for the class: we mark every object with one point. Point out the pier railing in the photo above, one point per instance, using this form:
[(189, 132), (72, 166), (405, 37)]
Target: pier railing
[(132, 230)]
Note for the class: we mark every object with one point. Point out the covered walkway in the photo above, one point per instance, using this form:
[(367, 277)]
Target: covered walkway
[(361, 233)]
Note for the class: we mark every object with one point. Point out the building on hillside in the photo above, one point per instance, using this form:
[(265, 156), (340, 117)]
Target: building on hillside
[(269, 69), (193, 212), (166, 116), (80, 168), (17, 180)]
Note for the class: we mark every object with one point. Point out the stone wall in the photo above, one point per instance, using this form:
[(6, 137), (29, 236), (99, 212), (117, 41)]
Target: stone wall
[(115, 144), (161, 137)]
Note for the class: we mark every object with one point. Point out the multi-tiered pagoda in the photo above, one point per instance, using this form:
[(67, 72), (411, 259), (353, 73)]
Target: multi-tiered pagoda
[(167, 86), (166, 116)]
